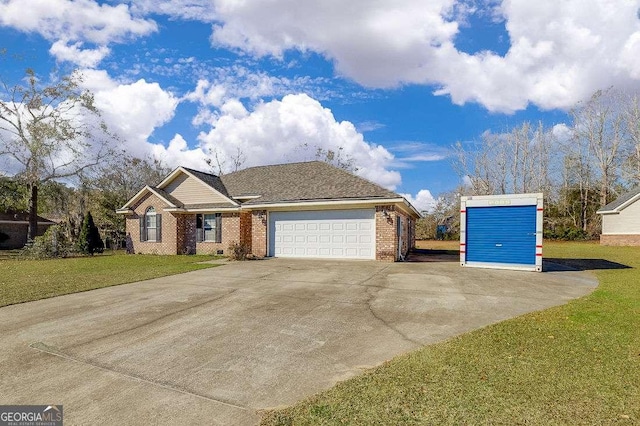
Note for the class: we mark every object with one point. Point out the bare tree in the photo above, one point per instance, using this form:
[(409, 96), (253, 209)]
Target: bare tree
[(221, 164), (598, 124), (514, 161), (50, 132), (336, 158), (631, 116)]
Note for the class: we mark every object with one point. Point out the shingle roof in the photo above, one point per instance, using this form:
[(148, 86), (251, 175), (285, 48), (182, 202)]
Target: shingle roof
[(315, 180), (168, 197), (211, 180), (614, 205)]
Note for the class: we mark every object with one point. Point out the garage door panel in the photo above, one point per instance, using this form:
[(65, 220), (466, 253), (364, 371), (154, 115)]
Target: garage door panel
[(351, 239), (331, 233)]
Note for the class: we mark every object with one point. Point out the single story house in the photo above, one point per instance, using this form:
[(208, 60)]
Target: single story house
[(309, 209), (14, 227), (621, 220)]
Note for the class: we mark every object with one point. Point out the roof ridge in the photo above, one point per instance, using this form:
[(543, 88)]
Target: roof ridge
[(199, 171), (277, 165)]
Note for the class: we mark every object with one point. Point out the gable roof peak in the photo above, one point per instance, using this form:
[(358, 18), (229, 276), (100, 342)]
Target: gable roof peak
[(621, 202)]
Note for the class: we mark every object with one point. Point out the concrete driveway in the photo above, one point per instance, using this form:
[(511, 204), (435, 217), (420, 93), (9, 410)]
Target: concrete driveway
[(214, 346)]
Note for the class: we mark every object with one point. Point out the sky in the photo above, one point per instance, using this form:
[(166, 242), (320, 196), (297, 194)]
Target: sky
[(390, 84)]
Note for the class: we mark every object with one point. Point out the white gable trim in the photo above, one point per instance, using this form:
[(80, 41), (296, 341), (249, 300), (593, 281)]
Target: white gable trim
[(181, 169), (143, 192)]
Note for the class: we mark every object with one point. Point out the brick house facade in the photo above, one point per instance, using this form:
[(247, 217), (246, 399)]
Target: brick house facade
[(170, 218)]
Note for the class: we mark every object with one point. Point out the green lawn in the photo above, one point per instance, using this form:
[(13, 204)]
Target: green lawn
[(574, 364), (26, 280)]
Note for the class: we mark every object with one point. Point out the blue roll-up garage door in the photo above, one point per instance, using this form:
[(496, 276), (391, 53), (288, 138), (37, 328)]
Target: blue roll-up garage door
[(504, 234)]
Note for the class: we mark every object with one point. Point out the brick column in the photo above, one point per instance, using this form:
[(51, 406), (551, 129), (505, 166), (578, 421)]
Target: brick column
[(259, 233), (245, 229), (386, 239)]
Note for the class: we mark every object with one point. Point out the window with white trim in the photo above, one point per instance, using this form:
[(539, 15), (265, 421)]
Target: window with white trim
[(151, 226), (209, 227)]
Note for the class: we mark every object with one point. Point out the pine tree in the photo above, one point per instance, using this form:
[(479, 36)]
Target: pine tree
[(89, 241)]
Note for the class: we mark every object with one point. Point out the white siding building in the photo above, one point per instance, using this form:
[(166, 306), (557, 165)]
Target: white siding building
[(621, 220)]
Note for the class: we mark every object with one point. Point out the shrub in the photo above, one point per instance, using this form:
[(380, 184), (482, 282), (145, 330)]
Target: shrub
[(89, 241), (565, 233), (53, 243), (238, 251)]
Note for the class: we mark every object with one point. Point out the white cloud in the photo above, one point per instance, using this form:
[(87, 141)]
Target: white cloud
[(178, 153), (67, 22), (199, 10), (560, 51), (410, 152), (286, 130), (132, 110), (240, 82), (87, 58), (290, 130), (423, 200)]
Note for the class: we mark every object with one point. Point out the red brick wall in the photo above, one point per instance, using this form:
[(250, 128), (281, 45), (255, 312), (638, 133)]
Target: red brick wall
[(386, 241), (620, 240), (230, 234), (259, 233), (406, 243), (245, 229), (186, 234), (169, 243)]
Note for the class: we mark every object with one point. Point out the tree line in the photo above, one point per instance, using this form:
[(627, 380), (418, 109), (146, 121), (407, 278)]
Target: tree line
[(579, 167)]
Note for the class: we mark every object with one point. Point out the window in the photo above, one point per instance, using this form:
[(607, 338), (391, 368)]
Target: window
[(209, 227), (151, 226)]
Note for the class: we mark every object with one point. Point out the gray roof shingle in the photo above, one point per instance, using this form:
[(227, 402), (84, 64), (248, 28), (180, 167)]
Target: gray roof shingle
[(295, 182), (173, 200), (612, 206)]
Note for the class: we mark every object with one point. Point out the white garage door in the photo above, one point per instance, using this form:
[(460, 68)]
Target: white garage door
[(346, 234)]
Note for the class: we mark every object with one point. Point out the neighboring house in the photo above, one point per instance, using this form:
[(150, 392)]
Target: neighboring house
[(307, 209), (621, 220), (15, 225)]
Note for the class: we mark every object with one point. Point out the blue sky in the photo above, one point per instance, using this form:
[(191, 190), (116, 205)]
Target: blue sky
[(392, 83)]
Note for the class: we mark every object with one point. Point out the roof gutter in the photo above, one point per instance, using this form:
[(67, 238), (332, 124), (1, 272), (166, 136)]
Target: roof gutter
[(202, 210), (368, 201)]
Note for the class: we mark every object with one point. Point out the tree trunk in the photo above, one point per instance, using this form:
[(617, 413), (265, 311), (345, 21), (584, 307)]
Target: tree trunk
[(33, 213)]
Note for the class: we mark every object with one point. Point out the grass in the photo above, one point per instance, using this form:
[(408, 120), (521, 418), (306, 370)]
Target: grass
[(574, 364), (27, 280)]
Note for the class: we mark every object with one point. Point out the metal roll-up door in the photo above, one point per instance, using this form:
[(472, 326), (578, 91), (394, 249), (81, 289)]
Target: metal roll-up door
[(504, 234)]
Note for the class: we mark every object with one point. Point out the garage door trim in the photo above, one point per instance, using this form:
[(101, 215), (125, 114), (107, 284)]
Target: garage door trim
[(332, 234)]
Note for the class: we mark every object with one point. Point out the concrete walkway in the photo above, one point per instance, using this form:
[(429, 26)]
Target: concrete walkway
[(214, 346)]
